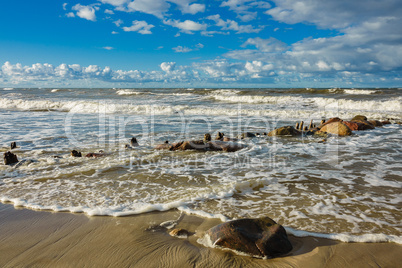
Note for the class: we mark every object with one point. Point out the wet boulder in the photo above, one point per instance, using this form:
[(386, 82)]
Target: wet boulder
[(75, 153), (10, 158), (359, 118), (261, 237), (246, 135), (285, 131), (375, 123), (337, 128), (163, 146), (226, 146)]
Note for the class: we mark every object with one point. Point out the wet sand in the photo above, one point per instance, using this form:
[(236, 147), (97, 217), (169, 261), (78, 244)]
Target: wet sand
[(48, 239)]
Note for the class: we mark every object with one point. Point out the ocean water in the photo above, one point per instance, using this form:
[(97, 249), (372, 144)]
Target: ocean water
[(347, 188)]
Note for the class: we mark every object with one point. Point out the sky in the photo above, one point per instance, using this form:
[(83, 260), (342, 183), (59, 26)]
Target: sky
[(186, 43)]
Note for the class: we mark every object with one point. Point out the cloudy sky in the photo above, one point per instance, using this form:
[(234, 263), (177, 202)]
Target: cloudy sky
[(186, 43)]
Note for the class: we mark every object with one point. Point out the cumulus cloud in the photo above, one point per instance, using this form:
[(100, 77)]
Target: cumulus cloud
[(141, 27), (181, 49), (168, 66), (154, 7), (233, 25), (241, 7), (187, 26), (85, 12), (186, 7), (333, 14)]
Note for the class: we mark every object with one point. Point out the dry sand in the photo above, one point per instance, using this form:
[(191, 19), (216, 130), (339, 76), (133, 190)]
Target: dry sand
[(47, 239)]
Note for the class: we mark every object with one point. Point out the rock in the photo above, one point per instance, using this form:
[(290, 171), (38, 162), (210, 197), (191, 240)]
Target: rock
[(163, 146), (95, 155), (364, 124), (189, 145), (337, 128), (246, 135), (359, 118), (75, 153), (331, 120), (226, 146), (261, 237), (375, 123), (10, 158), (207, 137), (13, 145), (219, 136), (179, 232), (133, 142), (285, 131), (386, 122), (358, 125)]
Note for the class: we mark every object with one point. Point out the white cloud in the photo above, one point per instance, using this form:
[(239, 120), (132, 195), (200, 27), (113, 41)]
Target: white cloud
[(333, 14), (65, 6), (115, 2), (187, 26), (108, 11), (186, 7), (180, 49), (108, 48), (70, 15), (154, 7), (233, 25), (118, 22), (85, 12), (266, 45), (241, 7), (114, 32), (168, 66), (141, 27)]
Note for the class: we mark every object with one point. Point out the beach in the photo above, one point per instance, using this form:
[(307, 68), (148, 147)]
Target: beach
[(47, 239), (338, 197)]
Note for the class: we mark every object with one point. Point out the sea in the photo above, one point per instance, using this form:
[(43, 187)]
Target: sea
[(342, 188)]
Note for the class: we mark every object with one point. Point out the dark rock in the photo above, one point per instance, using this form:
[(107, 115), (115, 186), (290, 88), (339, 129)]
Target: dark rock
[(375, 123), (207, 137), (219, 136), (261, 237), (95, 155), (247, 135), (226, 146), (359, 118), (386, 122), (10, 158), (285, 131), (133, 142), (357, 125), (364, 124), (13, 145), (75, 153)]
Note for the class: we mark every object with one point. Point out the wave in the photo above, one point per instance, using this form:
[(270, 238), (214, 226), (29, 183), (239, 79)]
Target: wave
[(360, 91), (129, 92), (285, 107)]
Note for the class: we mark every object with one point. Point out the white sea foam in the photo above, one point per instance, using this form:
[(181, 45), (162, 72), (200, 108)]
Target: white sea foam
[(366, 238), (359, 91), (128, 92), (8, 88)]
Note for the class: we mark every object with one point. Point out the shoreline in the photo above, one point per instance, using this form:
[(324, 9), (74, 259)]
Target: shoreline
[(64, 239)]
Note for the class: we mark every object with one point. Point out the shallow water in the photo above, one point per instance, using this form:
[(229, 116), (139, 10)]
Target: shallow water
[(348, 187)]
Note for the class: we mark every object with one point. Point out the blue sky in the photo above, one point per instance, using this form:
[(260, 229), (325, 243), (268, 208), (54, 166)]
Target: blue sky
[(185, 43)]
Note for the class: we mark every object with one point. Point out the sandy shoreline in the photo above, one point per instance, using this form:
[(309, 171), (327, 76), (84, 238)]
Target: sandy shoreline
[(48, 239)]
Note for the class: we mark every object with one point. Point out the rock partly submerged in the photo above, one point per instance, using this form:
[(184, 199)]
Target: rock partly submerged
[(261, 237)]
